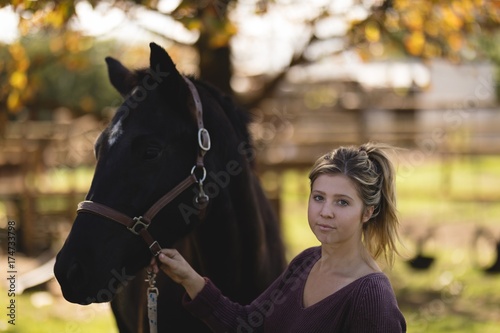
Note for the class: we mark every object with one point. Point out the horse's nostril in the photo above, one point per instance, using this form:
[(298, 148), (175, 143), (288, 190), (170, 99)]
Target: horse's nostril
[(76, 275)]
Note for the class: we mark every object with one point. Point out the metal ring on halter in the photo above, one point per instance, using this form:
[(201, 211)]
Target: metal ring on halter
[(203, 132), (138, 225), (204, 172)]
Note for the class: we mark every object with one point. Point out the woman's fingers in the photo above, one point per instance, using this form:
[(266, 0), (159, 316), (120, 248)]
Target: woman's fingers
[(173, 264), (167, 254), (163, 258)]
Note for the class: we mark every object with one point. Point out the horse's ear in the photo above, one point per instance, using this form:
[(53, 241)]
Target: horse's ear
[(121, 78), (163, 68)]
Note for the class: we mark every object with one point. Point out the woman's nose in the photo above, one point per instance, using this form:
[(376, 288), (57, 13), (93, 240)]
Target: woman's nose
[(327, 212)]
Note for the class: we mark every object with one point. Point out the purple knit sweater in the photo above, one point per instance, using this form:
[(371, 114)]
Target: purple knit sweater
[(367, 305)]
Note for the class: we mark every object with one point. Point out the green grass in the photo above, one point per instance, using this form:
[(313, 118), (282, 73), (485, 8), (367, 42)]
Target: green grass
[(451, 296), (56, 316)]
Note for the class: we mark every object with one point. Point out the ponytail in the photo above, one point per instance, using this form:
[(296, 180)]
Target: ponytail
[(380, 233)]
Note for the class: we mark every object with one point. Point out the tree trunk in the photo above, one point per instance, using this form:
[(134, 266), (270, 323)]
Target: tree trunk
[(215, 64)]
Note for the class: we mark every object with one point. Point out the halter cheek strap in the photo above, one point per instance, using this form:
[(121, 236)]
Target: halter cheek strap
[(139, 224)]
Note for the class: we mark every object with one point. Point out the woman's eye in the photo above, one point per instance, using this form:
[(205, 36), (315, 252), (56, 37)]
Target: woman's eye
[(343, 203), (317, 198)]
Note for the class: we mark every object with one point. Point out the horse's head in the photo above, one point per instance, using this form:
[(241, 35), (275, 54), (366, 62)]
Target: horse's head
[(150, 146)]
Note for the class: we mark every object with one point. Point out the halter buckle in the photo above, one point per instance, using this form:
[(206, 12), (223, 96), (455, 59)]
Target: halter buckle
[(139, 223), (204, 139)]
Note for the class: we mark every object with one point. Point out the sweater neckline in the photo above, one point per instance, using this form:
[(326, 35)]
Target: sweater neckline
[(341, 290)]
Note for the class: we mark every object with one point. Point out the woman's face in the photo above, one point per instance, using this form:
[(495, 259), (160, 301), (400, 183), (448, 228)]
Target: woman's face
[(335, 212)]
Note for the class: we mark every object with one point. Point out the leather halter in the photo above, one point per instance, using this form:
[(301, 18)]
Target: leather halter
[(139, 225)]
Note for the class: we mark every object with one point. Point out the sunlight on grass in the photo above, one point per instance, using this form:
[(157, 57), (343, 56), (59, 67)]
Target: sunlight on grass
[(40, 312)]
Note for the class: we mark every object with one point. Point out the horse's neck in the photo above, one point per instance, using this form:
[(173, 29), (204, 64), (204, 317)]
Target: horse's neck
[(233, 242), (240, 205)]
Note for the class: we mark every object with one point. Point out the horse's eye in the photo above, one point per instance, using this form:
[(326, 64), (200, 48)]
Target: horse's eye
[(152, 152)]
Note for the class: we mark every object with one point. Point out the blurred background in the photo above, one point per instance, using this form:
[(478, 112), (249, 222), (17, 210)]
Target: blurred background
[(421, 75)]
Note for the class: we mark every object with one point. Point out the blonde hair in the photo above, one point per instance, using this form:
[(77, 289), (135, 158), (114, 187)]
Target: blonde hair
[(373, 174)]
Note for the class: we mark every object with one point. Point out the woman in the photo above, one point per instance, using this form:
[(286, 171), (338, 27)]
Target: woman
[(335, 287)]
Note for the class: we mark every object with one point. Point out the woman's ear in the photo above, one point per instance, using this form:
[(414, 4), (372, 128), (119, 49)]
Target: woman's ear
[(367, 214)]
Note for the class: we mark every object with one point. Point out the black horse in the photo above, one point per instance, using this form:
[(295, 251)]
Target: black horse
[(159, 138)]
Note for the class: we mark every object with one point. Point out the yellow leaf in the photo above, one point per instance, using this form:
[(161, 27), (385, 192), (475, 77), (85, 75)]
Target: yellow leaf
[(432, 29), (461, 8), (372, 32), (219, 40), (413, 19), (23, 64), (451, 19), (415, 43), (431, 50), (455, 41), (400, 4), (194, 24), (231, 29), (392, 21), (18, 80), (55, 18), (13, 101)]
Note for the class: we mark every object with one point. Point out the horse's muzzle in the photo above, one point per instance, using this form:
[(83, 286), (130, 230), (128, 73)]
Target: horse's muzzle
[(72, 279)]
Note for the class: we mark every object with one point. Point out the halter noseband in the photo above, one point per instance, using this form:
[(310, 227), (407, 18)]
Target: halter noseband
[(139, 225)]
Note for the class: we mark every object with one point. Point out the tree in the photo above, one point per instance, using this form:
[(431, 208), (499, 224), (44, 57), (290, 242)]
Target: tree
[(374, 29), (48, 71), (429, 29)]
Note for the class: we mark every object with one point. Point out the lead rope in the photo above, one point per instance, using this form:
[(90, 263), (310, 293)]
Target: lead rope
[(152, 295)]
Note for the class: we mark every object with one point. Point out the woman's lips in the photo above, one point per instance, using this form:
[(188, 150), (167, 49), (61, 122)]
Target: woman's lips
[(325, 227)]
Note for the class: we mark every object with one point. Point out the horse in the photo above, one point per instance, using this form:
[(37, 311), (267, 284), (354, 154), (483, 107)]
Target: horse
[(177, 156)]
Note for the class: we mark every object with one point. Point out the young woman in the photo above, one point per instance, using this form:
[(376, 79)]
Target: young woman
[(335, 287)]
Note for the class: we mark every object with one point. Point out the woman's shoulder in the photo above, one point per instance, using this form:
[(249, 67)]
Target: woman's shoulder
[(377, 279), (375, 288), (373, 305)]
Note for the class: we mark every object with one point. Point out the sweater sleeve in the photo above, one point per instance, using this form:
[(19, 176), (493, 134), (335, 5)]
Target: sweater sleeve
[(217, 311), (223, 315), (377, 310)]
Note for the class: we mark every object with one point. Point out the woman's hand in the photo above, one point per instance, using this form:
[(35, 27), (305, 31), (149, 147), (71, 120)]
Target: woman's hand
[(178, 269)]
